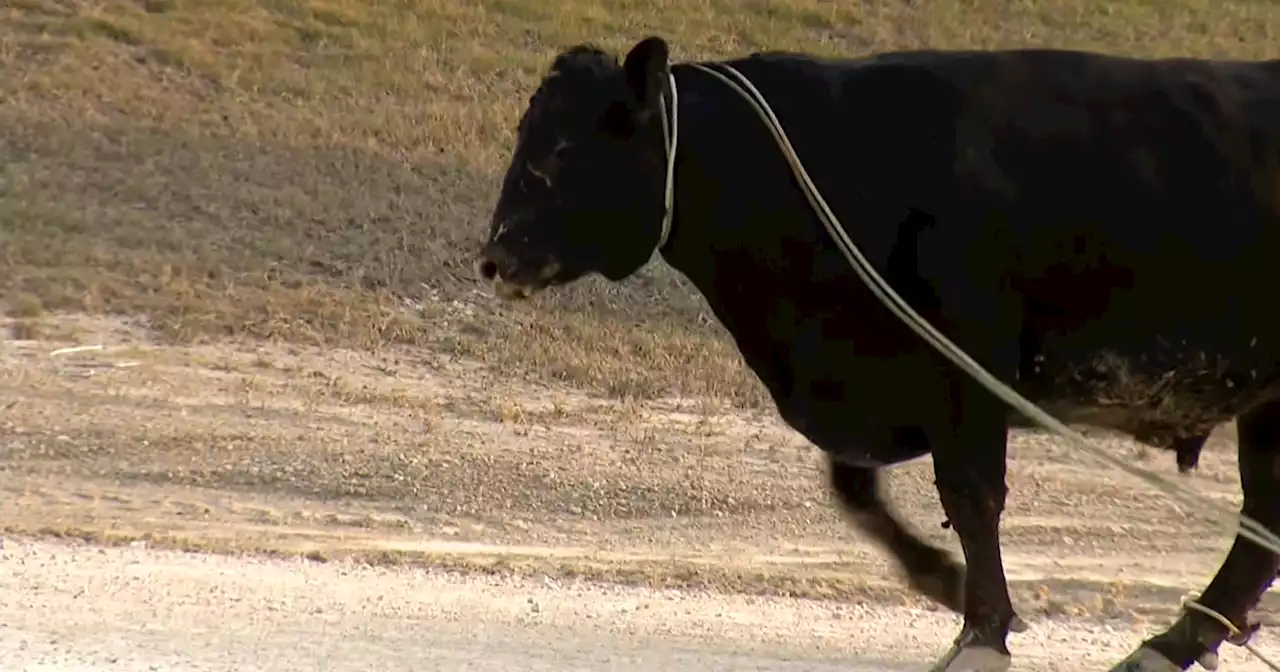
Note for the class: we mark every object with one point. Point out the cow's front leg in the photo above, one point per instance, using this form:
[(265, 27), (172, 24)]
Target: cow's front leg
[(930, 570), (969, 470)]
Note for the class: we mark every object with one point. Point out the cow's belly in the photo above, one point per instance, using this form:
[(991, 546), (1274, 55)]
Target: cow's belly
[(1154, 389), (1156, 392)]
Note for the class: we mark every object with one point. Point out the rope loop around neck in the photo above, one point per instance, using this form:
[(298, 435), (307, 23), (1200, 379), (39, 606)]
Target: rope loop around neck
[(670, 138)]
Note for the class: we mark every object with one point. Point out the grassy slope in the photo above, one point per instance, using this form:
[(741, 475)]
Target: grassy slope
[(320, 170)]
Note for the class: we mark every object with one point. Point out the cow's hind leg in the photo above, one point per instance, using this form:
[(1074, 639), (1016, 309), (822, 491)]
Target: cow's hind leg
[(931, 570), (1248, 570)]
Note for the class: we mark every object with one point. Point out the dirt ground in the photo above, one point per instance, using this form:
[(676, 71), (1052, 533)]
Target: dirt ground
[(80, 607), (403, 457)]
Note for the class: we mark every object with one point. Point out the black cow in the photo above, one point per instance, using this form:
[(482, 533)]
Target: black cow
[(1099, 230)]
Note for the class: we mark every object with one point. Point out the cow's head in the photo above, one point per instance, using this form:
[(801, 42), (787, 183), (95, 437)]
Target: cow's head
[(584, 190)]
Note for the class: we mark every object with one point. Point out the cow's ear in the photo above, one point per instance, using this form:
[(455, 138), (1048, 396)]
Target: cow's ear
[(646, 69)]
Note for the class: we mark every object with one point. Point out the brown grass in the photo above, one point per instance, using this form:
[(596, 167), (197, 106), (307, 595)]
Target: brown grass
[(319, 170)]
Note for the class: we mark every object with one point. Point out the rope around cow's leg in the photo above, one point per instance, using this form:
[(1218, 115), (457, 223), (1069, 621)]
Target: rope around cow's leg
[(1146, 659), (1209, 661)]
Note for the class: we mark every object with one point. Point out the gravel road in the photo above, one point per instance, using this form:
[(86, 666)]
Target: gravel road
[(77, 607)]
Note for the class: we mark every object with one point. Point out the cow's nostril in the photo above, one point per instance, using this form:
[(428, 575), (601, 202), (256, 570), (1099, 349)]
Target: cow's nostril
[(487, 268)]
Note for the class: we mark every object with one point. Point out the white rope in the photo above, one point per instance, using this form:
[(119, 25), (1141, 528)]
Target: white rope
[(1210, 660), (670, 137), (1248, 528)]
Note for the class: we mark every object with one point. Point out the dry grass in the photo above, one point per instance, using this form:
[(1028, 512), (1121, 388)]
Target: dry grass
[(320, 170)]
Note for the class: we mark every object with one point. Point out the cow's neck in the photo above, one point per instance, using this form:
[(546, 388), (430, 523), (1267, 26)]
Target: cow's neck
[(718, 180)]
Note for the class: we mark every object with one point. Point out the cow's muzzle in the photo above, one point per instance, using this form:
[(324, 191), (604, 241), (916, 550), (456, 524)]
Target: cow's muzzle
[(513, 278)]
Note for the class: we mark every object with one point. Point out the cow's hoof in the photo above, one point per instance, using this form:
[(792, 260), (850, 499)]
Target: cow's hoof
[(1146, 660), (973, 658)]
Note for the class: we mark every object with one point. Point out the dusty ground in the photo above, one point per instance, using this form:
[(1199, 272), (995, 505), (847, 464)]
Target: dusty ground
[(406, 458), (83, 608)]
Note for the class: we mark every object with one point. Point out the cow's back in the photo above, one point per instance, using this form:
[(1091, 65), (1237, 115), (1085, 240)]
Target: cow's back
[(1122, 213)]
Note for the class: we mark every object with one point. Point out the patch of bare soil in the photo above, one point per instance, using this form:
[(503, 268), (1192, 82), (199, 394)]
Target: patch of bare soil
[(71, 606), (409, 457)]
